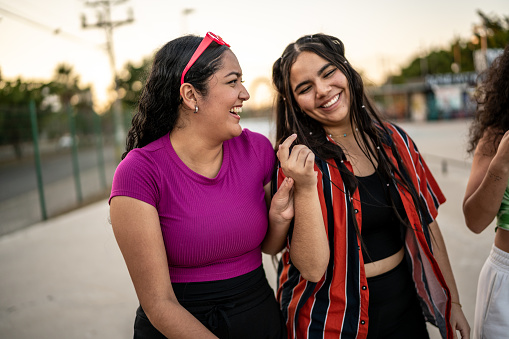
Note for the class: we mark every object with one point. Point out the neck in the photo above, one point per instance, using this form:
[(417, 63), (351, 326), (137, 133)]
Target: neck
[(341, 133), (200, 154)]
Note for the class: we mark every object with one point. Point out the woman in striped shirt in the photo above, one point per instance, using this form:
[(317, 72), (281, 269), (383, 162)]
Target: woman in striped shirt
[(365, 257)]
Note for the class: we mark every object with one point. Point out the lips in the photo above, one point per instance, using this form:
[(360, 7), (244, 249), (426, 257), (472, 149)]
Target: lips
[(331, 101)]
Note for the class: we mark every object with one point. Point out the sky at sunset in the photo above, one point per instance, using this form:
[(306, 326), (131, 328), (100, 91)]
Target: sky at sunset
[(379, 36)]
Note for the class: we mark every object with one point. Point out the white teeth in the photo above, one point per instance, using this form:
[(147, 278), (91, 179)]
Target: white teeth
[(236, 110), (332, 102)]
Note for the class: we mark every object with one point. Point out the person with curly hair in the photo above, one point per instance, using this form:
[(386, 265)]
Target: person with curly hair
[(487, 197), (190, 200), (365, 257)]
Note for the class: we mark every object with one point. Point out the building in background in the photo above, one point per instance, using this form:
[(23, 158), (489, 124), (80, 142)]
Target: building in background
[(434, 97)]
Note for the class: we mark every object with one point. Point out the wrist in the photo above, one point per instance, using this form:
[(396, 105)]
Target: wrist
[(305, 188), (456, 303), (276, 218)]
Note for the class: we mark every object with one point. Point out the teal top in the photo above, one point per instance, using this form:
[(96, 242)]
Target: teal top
[(503, 212)]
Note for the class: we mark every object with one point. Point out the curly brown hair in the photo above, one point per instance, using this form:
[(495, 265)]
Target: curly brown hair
[(158, 107), (492, 98)]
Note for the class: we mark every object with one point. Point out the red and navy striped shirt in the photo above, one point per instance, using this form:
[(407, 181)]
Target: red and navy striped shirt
[(337, 305)]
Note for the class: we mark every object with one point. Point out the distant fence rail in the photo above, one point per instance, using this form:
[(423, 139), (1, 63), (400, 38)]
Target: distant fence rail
[(446, 162), (52, 163)]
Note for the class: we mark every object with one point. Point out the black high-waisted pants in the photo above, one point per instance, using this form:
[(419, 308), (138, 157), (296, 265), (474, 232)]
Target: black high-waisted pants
[(241, 307), (394, 310)]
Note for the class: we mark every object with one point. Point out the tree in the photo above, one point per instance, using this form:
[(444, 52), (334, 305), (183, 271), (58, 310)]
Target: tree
[(131, 82), (66, 85), (459, 55), (14, 114), (49, 98)]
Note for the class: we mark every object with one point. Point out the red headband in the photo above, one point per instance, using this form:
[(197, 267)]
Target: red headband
[(209, 37)]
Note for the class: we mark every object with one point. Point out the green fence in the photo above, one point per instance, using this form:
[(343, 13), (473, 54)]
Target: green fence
[(52, 162)]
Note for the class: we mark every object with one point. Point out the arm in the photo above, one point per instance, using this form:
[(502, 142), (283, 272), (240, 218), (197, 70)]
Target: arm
[(458, 320), (486, 184), (138, 234), (309, 248), (280, 215)]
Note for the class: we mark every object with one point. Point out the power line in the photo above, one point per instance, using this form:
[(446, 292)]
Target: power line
[(39, 25), (104, 21)]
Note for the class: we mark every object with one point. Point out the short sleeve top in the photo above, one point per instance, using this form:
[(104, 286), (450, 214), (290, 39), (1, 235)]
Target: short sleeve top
[(212, 227)]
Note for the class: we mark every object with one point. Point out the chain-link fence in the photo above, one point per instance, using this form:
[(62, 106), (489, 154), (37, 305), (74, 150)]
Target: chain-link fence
[(51, 163)]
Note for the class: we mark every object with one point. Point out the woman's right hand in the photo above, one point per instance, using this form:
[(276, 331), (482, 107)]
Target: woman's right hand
[(309, 247), (297, 164)]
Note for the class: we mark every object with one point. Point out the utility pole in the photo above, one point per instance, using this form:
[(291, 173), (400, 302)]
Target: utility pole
[(185, 13), (104, 21), (481, 63)]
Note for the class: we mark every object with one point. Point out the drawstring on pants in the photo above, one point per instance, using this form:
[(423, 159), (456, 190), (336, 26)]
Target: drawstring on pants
[(219, 311)]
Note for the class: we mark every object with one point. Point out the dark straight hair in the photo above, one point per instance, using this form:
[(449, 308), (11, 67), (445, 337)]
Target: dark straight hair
[(363, 114)]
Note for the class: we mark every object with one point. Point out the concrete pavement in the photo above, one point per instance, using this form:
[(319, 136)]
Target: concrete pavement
[(66, 278)]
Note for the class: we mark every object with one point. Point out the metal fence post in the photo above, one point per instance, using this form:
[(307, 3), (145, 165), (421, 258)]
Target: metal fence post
[(37, 157), (100, 153), (74, 153)]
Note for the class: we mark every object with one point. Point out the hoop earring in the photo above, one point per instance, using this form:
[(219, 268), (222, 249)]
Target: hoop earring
[(195, 108)]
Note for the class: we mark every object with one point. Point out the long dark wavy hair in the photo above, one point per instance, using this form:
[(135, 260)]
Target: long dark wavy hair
[(492, 98), (158, 107), (363, 114)]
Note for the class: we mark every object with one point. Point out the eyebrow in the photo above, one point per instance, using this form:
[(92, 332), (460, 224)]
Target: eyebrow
[(239, 75), (320, 71)]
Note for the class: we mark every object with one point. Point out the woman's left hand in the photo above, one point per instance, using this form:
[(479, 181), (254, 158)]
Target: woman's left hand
[(459, 322), (281, 206), (281, 213)]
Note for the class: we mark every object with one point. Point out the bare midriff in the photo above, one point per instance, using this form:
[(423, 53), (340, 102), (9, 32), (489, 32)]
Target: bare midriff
[(502, 240), (378, 267)]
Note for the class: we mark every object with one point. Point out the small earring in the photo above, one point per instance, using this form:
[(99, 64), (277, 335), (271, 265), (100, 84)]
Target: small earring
[(195, 108)]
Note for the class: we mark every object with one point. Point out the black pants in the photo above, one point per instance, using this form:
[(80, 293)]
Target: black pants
[(394, 310), (241, 307)]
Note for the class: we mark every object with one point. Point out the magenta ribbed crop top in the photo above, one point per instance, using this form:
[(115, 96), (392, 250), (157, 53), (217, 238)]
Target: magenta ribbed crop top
[(212, 228)]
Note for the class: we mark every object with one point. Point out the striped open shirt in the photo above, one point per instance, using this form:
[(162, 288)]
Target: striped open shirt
[(337, 306)]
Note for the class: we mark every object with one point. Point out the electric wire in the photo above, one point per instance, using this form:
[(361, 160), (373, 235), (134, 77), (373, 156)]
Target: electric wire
[(56, 31)]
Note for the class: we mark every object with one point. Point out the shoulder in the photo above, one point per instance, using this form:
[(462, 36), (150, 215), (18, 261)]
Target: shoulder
[(395, 131), (254, 137), (252, 146), (394, 134), (144, 156), (155, 145), (257, 142)]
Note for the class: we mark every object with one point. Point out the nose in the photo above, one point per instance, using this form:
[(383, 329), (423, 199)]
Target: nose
[(322, 88), (244, 94)]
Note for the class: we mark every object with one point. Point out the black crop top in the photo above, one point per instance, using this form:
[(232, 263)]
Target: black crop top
[(381, 229)]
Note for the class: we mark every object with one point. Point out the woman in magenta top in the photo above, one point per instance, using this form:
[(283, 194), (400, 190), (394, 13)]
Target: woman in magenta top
[(189, 202)]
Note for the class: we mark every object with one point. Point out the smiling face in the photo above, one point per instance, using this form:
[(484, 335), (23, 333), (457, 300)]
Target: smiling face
[(218, 110), (321, 90)]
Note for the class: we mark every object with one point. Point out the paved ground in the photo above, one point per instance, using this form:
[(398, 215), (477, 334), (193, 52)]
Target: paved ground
[(66, 278)]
